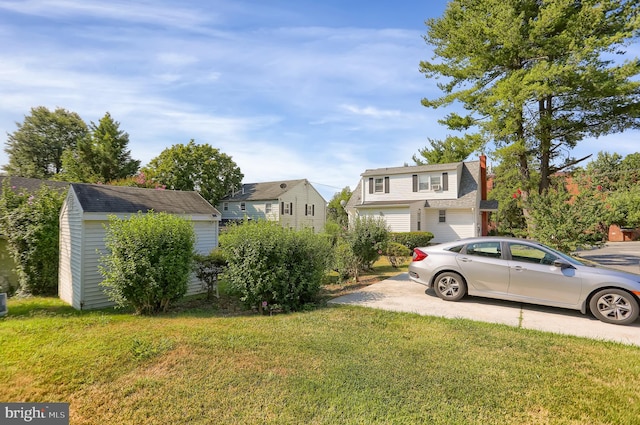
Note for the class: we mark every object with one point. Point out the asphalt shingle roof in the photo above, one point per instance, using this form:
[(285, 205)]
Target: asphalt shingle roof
[(121, 199), (31, 185), (262, 191)]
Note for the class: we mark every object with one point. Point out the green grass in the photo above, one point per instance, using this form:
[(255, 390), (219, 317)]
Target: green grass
[(332, 365)]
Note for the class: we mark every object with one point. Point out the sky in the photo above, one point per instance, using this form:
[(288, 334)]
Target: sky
[(304, 89)]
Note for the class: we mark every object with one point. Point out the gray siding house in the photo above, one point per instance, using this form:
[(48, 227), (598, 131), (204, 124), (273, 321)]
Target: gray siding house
[(83, 220)]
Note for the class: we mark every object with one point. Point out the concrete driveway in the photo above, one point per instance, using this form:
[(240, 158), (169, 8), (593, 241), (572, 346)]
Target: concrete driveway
[(401, 294)]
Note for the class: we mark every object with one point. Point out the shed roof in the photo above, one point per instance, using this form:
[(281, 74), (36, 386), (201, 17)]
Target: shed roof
[(122, 199), (263, 191)]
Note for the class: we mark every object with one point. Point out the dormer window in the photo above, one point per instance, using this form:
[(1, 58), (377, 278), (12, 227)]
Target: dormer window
[(379, 184)]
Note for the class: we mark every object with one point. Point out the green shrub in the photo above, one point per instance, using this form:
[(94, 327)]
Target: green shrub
[(397, 254), (345, 262), (149, 261), (273, 268), (412, 239), (368, 238), (30, 222)]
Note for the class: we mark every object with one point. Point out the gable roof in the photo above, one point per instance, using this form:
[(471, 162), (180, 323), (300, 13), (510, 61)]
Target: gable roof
[(262, 191), (30, 184), (412, 169), (123, 199)]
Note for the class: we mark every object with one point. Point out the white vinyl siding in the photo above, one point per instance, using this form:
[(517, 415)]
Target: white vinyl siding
[(459, 224), (398, 219), (401, 187)]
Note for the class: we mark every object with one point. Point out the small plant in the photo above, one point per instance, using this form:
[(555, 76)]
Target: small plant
[(397, 254), (208, 268)]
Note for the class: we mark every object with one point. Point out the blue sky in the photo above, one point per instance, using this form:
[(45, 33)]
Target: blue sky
[(289, 89)]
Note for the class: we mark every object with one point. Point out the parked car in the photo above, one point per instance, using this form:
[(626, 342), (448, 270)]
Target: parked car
[(526, 271)]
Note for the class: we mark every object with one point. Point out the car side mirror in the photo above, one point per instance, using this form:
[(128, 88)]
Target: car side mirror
[(562, 264)]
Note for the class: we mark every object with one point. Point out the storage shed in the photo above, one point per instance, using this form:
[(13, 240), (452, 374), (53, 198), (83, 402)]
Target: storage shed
[(83, 220)]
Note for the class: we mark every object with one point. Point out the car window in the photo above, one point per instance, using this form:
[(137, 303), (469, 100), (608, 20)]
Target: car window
[(484, 249), (530, 254), (457, 248)]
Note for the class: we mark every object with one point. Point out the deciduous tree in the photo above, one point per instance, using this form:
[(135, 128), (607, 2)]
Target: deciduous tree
[(195, 167), (35, 149)]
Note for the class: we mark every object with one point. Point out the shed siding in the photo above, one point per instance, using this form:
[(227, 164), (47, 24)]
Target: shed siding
[(71, 250)]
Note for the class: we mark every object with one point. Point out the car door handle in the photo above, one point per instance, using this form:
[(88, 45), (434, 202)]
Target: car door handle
[(518, 268), (466, 260)]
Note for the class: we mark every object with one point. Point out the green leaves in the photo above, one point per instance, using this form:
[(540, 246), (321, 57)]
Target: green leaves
[(195, 167), (149, 260), (29, 221), (272, 267)]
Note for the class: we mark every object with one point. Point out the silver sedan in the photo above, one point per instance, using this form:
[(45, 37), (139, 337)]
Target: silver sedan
[(526, 271)]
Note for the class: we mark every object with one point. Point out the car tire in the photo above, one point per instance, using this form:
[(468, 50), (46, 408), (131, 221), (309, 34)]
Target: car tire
[(614, 306), (450, 286)]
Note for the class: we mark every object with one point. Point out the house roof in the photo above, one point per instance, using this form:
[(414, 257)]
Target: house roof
[(122, 199), (412, 169), (30, 184), (263, 191)]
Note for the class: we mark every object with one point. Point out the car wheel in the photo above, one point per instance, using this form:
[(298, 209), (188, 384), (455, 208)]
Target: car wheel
[(450, 286), (614, 306)]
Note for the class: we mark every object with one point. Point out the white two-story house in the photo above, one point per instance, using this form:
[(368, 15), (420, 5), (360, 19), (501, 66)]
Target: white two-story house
[(294, 204), (448, 200)]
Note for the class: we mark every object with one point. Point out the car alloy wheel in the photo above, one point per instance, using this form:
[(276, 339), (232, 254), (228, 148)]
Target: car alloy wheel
[(614, 306), (450, 286)]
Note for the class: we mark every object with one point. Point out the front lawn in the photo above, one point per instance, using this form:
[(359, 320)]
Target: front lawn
[(331, 365)]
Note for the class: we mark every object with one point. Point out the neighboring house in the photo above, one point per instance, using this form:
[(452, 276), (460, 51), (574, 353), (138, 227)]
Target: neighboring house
[(83, 220), (448, 200), (292, 203)]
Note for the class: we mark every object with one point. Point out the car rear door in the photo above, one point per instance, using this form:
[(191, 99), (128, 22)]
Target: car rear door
[(483, 267), (534, 278)]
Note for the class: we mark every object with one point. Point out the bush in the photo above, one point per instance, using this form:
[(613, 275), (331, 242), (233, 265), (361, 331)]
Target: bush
[(30, 222), (273, 268), (208, 268), (345, 262), (397, 254), (149, 261), (412, 239), (368, 238)]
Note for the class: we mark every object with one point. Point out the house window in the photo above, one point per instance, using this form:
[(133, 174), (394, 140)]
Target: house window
[(442, 216), (423, 182), (436, 183), (379, 184), (267, 208), (309, 209), (225, 206), (286, 208), (243, 206)]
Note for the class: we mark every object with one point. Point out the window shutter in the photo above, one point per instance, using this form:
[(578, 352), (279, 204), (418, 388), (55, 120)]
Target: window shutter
[(370, 184), (415, 182), (290, 208), (445, 181), (281, 208), (313, 209), (386, 185), (306, 209)]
